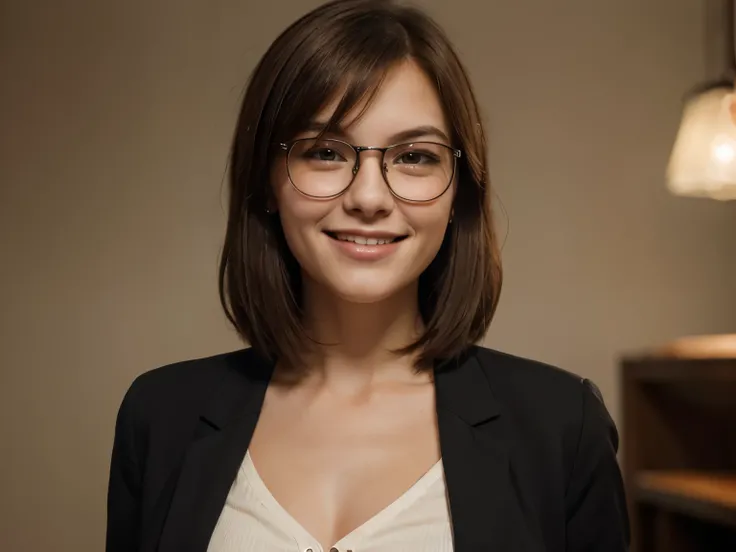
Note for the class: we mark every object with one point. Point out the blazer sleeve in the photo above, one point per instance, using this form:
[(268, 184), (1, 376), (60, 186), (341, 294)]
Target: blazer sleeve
[(124, 486), (597, 517)]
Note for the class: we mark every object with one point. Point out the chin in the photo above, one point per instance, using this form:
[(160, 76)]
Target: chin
[(366, 294), (363, 290)]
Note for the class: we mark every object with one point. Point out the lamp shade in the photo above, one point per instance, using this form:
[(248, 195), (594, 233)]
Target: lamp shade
[(703, 159)]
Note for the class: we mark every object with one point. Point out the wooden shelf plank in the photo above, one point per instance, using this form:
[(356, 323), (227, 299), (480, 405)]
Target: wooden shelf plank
[(672, 370), (704, 495), (702, 346)]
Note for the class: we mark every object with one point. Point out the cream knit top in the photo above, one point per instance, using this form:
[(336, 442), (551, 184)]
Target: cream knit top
[(252, 520)]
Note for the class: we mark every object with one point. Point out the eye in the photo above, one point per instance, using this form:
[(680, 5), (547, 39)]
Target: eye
[(416, 157), (324, 154)]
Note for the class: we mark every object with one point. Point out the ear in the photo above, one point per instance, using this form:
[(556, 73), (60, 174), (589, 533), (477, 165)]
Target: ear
[(272, 205)]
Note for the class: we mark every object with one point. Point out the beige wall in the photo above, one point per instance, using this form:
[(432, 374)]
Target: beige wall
[(115, 121)]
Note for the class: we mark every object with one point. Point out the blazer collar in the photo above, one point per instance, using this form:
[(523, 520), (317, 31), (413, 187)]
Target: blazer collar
[(477, 441), (191, 502), (463, 389), (240, 391)]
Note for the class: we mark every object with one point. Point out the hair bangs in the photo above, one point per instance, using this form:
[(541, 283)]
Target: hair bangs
[(344, 69)]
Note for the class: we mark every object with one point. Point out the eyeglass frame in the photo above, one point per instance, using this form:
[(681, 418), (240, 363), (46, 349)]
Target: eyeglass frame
[(288, 146)]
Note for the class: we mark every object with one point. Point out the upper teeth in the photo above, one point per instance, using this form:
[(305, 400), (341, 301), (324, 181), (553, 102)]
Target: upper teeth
[(364, 241)]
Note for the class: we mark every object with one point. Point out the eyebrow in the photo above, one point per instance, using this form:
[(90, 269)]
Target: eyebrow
[(423, 131)]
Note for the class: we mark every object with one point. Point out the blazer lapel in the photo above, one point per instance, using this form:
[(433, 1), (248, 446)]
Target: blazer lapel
[(199, 490), (487, 511)]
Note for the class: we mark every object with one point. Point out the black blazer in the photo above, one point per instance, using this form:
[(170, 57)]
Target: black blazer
[(529, 453)]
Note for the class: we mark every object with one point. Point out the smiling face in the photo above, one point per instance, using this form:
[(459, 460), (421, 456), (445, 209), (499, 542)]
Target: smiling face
[(369, 244)]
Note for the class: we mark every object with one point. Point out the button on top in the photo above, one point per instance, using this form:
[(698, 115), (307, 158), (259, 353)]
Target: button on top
[(333, 549)]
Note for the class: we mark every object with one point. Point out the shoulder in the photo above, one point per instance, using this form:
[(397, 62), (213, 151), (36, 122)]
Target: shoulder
[(534, 383), (166, 400), (554, 408), (162, 407), (185, 381), (561, 426)]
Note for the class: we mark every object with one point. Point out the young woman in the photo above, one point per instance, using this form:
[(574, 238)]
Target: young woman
[(362, 266)]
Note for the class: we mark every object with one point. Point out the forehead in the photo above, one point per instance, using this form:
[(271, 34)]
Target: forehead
[(406, 99)]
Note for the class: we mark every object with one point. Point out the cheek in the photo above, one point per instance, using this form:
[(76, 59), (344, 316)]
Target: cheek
[(292, 205), (430, 225), (300, 217), (435, 234), (280, 183), (429, 221), (299, 211)]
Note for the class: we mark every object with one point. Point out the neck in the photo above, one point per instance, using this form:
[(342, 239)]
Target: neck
[(355, 342)]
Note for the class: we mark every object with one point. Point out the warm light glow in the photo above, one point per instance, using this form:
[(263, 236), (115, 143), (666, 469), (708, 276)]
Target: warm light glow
[(723, 153), (703, 160), (702, 346)]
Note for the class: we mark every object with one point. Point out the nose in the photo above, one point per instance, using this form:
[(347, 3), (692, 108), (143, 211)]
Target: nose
[(369, 196)]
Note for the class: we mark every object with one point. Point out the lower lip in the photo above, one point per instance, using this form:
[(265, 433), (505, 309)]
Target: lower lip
[(361, 252)]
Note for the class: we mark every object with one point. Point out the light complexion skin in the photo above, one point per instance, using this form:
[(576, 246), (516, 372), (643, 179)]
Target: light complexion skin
[(363, 298), (360, 428)]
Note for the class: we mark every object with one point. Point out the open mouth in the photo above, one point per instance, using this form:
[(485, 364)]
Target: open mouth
[(363, 240)]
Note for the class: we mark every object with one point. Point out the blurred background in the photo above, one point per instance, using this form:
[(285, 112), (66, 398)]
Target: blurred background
[(115, 122)]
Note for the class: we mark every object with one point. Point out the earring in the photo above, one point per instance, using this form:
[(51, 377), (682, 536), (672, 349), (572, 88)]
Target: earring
[(452, 215)]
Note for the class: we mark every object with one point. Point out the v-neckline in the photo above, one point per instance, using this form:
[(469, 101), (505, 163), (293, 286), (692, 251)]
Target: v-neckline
[(390, 511)]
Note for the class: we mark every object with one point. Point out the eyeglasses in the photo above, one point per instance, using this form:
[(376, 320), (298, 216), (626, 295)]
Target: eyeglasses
[(415, 172)]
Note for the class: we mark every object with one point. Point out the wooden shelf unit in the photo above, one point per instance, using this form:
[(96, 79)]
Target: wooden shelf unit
[(679, 450), (708, 496)]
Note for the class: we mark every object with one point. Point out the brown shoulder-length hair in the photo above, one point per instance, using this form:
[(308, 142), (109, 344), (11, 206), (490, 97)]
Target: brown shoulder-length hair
[(346, 47)]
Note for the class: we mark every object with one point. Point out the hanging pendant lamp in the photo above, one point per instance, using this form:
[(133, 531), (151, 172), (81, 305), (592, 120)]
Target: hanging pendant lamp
[(703, 159)]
